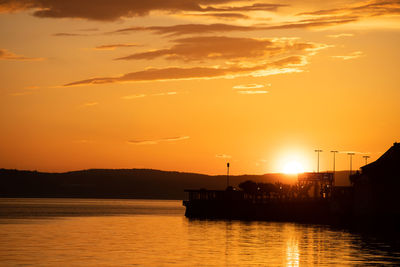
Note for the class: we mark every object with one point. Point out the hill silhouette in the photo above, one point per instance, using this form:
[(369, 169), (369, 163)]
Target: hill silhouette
[(124, 183)]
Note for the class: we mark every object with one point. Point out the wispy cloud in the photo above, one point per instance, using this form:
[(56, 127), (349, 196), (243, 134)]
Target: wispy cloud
[(89, 104), (353, 55), (340, 35), (191, 29), (129, 97), (157, 141), (223, 156), (249, 86), (114, 46), (362, 9), (221, 15), (8, 55), (178, 73), (184, 29), (216, 47), (68, 34), (165, 94)]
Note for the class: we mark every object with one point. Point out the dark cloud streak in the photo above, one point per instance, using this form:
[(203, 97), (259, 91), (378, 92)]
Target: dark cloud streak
[(106, 10), (177, 73), (191, 29), (369, 9), (8, 55), (114, 46), (219, 47)]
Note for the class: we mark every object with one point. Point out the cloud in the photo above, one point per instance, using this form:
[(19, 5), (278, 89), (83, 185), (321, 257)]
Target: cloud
[(253, 7), (183, 29), (312, 23), (8, 55), (222, 47), (252, 92), (223, 156), (225, 15), (249, 86), (89, 104), (234, 12), (186, 29), (340, 35), (157, 141), (361, 10), (106, 10), (129, 97), (114, 46), (165, 94), (178, 73), (67, 34), (353, 55)]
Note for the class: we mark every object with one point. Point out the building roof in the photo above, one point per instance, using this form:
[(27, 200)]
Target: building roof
[(389, 161)]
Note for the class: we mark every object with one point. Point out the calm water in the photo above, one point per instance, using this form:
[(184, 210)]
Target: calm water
[(82, 232)]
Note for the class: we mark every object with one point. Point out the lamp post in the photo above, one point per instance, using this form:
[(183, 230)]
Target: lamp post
[(334, 159), (351, 159), (334, 162), (227, 175), (366, 159), (318, 151)]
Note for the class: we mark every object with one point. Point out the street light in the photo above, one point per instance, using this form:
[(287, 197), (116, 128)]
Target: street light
[(318, 151), (334, 162), (227, 175), (334, 153), (366, 159), (351, 159)]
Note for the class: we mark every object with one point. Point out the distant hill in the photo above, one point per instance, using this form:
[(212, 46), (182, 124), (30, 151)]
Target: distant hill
[(123, 183)]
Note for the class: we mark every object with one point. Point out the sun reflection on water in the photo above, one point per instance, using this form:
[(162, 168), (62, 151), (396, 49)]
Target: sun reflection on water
[(155, 233), (292, 253)]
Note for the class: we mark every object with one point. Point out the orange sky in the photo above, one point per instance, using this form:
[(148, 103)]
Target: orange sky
[(188, 85)]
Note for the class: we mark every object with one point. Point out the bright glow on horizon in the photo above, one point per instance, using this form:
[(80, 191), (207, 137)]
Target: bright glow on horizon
[(293, 167)]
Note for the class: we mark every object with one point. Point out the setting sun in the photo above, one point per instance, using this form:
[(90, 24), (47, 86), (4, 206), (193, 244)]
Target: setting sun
[(293, 167)]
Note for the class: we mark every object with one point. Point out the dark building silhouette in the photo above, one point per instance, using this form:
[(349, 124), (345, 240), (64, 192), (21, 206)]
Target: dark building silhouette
[(371, 203), (376, 188)]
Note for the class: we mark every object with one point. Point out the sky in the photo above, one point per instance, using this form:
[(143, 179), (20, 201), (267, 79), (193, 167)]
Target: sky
[(188, 85)]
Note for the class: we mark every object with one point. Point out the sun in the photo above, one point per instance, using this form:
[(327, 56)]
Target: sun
[(293, 167)]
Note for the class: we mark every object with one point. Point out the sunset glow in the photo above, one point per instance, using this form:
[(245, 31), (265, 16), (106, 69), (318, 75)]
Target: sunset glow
[(173, 84), (293, 167)]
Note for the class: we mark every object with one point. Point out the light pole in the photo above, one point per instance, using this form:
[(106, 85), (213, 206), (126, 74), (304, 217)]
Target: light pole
[(351, 159), (227, 175), (318, 151), (366, 159), (334, 159), (334, 162)]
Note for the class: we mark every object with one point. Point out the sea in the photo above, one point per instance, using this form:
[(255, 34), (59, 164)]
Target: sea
[(115, 232)]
